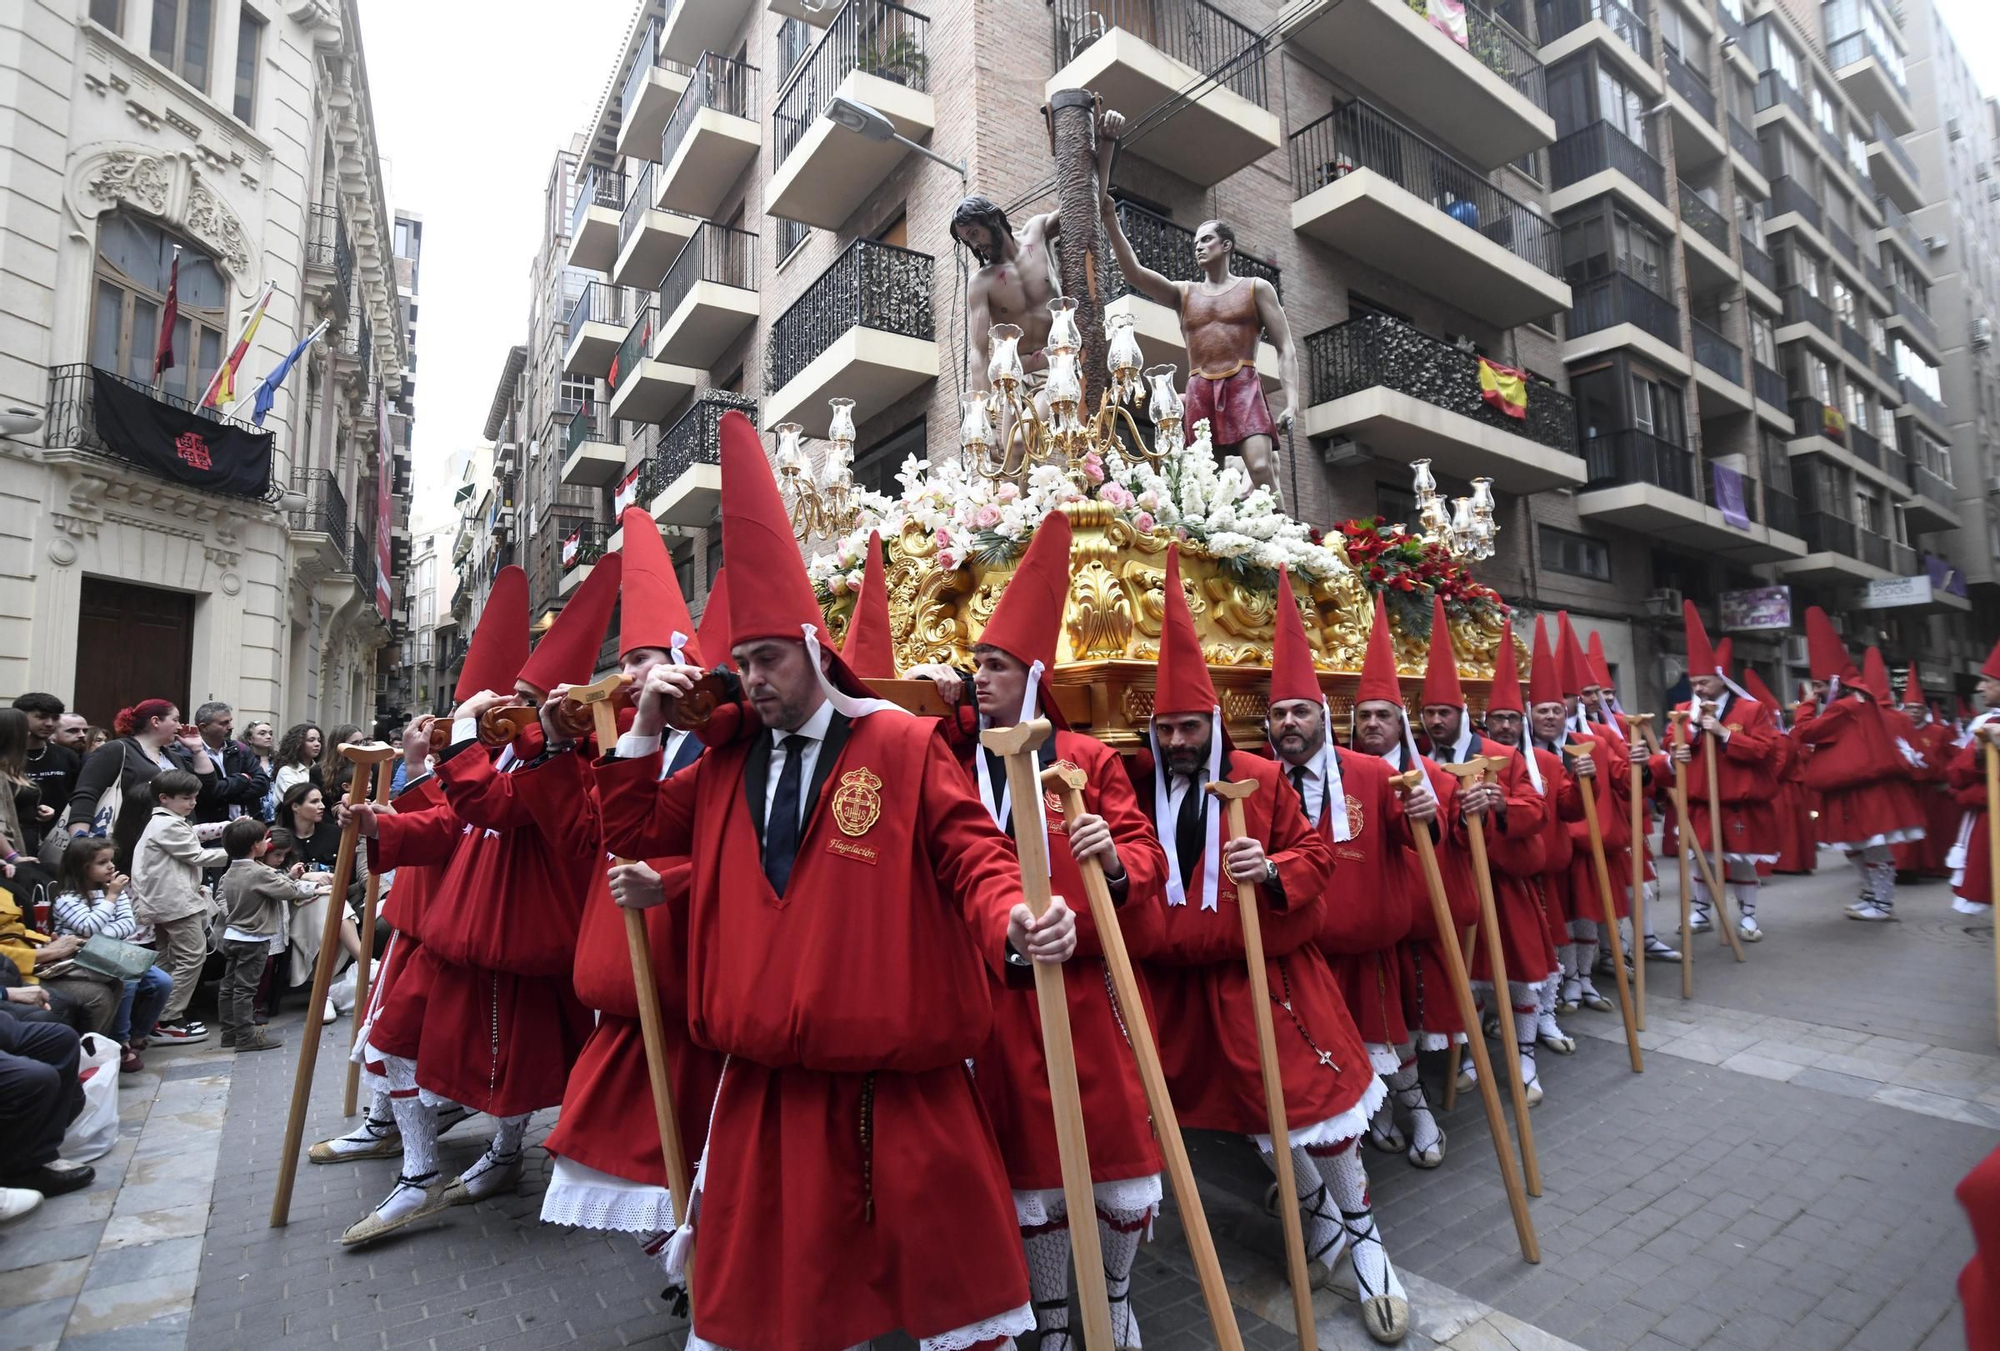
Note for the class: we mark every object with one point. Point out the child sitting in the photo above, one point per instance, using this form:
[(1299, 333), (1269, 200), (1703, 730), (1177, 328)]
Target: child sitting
[(93, 901)]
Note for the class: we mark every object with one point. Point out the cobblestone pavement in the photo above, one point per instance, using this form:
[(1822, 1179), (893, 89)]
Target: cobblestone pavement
[(1780, 1176)]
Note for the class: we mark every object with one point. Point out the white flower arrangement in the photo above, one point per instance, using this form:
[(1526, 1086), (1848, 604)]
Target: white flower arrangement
[(1189, 497)]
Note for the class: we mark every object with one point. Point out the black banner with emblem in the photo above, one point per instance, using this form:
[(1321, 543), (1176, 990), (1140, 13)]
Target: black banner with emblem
[(178, 443)]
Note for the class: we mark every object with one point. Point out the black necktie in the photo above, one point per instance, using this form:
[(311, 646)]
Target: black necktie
[(996, 778), (1299, 782), (1190, 829), (781, 831)]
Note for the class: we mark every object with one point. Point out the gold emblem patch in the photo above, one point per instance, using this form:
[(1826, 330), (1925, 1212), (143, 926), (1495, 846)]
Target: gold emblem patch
[(1356, 823), (856, 804)]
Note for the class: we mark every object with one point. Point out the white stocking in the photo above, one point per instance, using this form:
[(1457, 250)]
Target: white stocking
[(1698, 886), (1525, 1027), (1322, 1224), (1407, 1089), (1341, 1170), (419, 1132), (490, 1174), (1048, 1275), (1859, 859), (1118, 1235)]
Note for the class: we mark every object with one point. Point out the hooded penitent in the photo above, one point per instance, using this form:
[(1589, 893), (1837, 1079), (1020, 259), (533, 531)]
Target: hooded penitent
[(1544, 680), (1441, 685), (1182, 685), (499, 646), (1506, 696), (713, 634), (1293, 677), (1826, 654), (567, 653), (1027, 623), (651, 610), (1378, 678), (870, 649)]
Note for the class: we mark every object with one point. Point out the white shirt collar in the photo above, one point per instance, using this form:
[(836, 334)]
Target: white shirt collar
[(813, 728)]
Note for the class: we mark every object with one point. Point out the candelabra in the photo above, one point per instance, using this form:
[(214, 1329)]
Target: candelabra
[(826, 506), (1024, 439), (1465, 527)]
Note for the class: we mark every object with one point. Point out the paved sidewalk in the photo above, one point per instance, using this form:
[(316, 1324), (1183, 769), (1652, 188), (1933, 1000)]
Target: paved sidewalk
[(1780, 1176)]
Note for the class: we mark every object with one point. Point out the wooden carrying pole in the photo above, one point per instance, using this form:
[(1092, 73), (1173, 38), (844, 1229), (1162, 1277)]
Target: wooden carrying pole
[(1067, 781), (1496, 1120), (383, 777), (1474, 771), (1635, 724), (1589, 796), (1991, 736), (1689, 854), (1468, 944), (1017, 746), (364, 755), (652, 1025), (1232, 795), (1719, 874)]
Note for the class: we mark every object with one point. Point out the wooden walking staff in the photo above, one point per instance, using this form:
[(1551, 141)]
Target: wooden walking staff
[(1589, 796), (1017, 745), (364, 755), (652, 1025), (1461, 989), (1718, 874), (1636, 725), (1469, 945), (1474, 771), (1067, 781), (1677, 718), (383, 777), (1232, 795), (1991, 736)]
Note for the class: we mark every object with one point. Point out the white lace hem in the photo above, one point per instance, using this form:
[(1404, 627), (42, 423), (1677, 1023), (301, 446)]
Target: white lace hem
[(582, 1197), (1334, 1129), (1728, 858), (1033, 1209), (1383, 1059), (1900, 835), (1965, 907), (1436, 1041), (1010, 1324)]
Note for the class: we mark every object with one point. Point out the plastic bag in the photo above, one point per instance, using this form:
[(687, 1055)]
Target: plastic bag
[(95, 1129)]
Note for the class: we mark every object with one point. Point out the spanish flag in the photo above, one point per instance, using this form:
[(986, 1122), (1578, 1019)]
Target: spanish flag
[(1504, 387), (222, 388)]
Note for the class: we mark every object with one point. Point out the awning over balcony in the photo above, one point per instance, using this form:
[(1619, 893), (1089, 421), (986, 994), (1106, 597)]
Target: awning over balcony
[(862, 331)]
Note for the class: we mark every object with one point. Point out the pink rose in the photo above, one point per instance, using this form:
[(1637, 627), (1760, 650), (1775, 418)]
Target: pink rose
[(1007, 492), (988, 516), (947, 560), (944, 539), (1143, 522), (1115, 494), (1093, 467)]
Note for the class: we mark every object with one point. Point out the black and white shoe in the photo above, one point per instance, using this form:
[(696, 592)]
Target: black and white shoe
[(183, 1033)]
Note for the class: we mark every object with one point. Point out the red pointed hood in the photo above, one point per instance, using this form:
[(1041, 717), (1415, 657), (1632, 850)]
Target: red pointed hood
[(1760, 691), (1027, 623), (567, 653), (1913, 686), (713, 631), (1544, 680), (1183, 681), (1701, 656), (1724, 652), (1600, 669), (651, 610), (1506, 696), (1991, 667), (499, 647), (1571, 669), (870, 648), (1378, 668), (1292, 673), (1826, 654), (1875, 675), (1441, 672)]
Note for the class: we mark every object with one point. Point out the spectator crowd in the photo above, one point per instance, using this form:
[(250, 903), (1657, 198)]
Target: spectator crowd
[(135, 863)]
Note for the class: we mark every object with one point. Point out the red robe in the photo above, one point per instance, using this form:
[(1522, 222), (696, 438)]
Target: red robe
[(1011, 1072), (1798, 843), (1862, 780), (1746, 781), (1368, 908), (1613, 782), (852, 1184), (502, 1025), (1429, 1007), (607, 1116), (416, 842), (1516, 853), (1201, 981), (1932, 741), (1967, 776)]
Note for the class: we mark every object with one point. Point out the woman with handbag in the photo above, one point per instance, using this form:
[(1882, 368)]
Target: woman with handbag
[(151, 738), (92, 905)]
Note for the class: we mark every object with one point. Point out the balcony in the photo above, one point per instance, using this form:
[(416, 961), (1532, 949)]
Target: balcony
[(708, 297), (580, 551), (1749, 155), (1568, 26), (1822, 430), (1918, 400), (1873, 78), (1136, 54), (597, 326), (684, 470), (1898, 232), (642, 389), (329, 260), (1405, 395), (1621, 307), (1487, 97), (1641, 483), (1835, 549), (712, 137), (1698, 141), (1718, 372), (1932, 507), (1886, 372), (1892, 168), (592, 456), (697, 26), (593, 221), (1864, 445), (1856, 346), (1599, 159), (1760, 267), (1706, 233), (874, 52), (319, 529), (863, 330), (1767, 385), (70, 423), (1909, 319), (651, 89), (648, 238), (1386, 196), (1809, 319), (1168, 249), (1792, 203), (1781, 513)]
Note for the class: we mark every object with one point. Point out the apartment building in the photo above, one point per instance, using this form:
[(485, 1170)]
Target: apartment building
[(1570, 187), (236, 140)]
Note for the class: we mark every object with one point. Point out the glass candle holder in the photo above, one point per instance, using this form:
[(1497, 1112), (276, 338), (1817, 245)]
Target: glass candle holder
[(1165, 399), (1422, 481), (1003, 361), (1065, 386), (975, 424), (791, 459), (1064, 335), (841, 430), (1122, 352)]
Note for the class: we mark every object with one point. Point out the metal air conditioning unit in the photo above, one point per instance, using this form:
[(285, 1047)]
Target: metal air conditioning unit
[(1664, 602), (1936, 243), (1952, 129), (1342, 452), (1795, 650), (1982, 332)]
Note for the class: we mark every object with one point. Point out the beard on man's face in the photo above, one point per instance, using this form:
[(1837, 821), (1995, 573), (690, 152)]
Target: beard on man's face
[(1187, 761)]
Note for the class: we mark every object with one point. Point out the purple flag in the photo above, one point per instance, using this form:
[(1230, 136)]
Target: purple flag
[(1729, 495)]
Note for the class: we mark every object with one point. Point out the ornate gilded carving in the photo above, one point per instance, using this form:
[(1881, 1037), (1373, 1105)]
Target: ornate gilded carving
[(1149, 583), (1100, 615)]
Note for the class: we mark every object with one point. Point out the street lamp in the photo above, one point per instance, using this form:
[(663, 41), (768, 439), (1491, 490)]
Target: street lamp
[(870, 123)]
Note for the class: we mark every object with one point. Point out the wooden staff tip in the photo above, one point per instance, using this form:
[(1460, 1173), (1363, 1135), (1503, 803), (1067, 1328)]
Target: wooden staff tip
[(599, 690), (1016, 740), (1064, 776), (367, 752), (1234, 790)]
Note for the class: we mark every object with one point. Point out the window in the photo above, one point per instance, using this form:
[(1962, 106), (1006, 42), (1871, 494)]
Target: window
[(1819, 378), (1843, 301), (875, 469), (108, 14), (249, 44), (1576, 555), (181, 38), (1642, 255), (1857, 407), (1395, 503), (134, 262), (791, 234), (1656, 409), (795, 39), (1682, 37), (1763, 342), (1624, 108)]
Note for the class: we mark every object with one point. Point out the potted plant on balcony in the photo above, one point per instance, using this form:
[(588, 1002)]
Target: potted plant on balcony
[(901, 59)]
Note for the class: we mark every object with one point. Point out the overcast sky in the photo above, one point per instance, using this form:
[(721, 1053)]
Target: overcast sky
[(470, 107)]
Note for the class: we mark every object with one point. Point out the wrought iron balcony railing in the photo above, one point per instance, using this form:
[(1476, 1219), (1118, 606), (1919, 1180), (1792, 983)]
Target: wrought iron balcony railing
[(1691, 85), (1760, 265), (1703, 219), (587, 423), (1168, 249), (1633, 456), (325, 511), (598, 303), (695, 438), (598, 187), (1825, 532), (717, 253), (1620, 299), (644, 64), (870, 285), (637, 347), (1716, 352), (1601, 146), (1193, 32), (716, 82), (1358, 135), (876, 37), (637, 203), (70, 419), (585, 544), (1375, 351), (1712, 495), (1781, 510)]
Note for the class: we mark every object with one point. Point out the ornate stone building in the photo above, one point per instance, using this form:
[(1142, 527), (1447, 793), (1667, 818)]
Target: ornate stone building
[(235, 142)]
